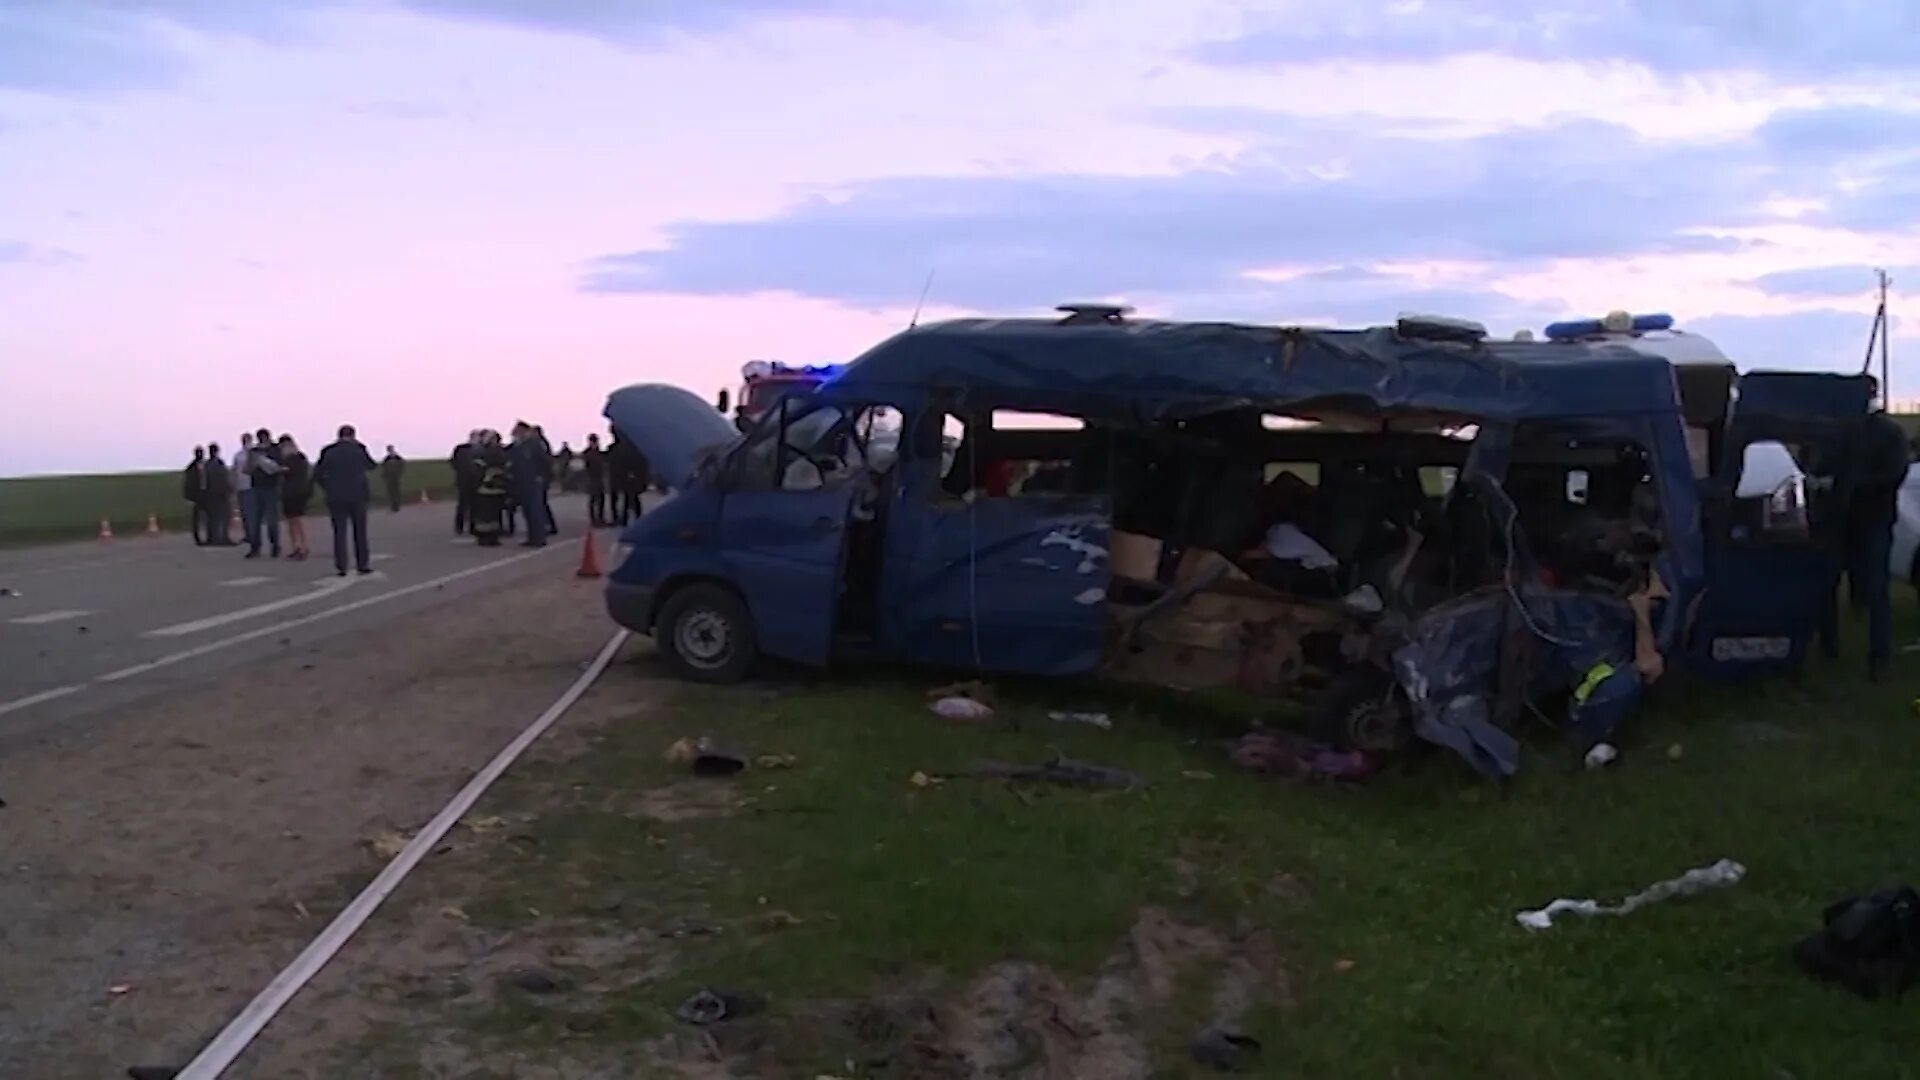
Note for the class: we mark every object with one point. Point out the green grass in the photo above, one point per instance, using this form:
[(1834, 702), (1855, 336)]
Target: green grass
[(45, 509), (1414, 879)]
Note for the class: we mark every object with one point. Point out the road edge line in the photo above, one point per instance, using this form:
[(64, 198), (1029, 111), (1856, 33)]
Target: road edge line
[(234, 1039)]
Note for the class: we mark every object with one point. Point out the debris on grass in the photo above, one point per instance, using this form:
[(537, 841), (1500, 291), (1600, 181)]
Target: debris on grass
[(1063, 771), (711, 1006), (767, 922), (776, 761), (1280, 753), (1869, 945), (972, 690), (1224, 1051), (1602, 755), (704, 757), (387, 844), (1090, 719), (1720, 875), (535, 980), (964, 710)]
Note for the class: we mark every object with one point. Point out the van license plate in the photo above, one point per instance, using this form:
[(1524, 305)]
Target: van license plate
[(1750, 649)]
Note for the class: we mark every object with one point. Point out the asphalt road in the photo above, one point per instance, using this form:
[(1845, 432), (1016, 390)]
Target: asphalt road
[(88, 630)]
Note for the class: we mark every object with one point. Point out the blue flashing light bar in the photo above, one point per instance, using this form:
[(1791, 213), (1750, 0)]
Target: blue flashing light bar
[(1575, 329)]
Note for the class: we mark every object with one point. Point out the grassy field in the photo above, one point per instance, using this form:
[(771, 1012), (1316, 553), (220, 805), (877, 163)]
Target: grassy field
[(44, 509), (839, 886)]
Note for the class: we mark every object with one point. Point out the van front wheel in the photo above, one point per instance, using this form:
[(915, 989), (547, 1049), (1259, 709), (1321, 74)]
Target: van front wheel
[(706, 635)]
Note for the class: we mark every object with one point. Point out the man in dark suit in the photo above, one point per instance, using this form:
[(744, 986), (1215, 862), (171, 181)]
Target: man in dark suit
[(342, 472), (1878, 467), (466, 481), (528, 466), (219, 499), (193, 488), (596, 477)]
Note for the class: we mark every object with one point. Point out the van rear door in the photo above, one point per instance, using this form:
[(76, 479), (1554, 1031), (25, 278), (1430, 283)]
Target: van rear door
[(1768, 575)]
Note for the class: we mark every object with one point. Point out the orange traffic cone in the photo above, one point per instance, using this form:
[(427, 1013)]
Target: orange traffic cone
[(153, 525), (589, 557), (106, 529)]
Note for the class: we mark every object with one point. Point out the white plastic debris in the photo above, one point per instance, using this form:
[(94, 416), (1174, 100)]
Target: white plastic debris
[(1091, 719), (1364, 600), (1718, 876), (1602, 755), (961, 708)]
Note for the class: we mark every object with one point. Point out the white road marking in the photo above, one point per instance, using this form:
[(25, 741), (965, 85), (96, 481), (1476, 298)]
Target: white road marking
[(383, 556), (37, 699), (244, 581), (337, 577), (234, 1039), (320, 591), (49, 617), (266, 631)]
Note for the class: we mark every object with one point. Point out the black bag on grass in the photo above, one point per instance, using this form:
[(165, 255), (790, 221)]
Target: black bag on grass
[(1870, 944)]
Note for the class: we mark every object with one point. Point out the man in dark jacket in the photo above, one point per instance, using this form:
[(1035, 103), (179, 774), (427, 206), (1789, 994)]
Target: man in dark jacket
[(629, 476), (528, 466), (193, 488), (595, 473), (392, 468), (219, 498), (265, 468), (547, 473), (466, 481), (342, 472), (1878, 468)]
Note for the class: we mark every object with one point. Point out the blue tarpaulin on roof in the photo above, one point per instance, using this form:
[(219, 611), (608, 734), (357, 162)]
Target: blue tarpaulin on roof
[(1164, 369)]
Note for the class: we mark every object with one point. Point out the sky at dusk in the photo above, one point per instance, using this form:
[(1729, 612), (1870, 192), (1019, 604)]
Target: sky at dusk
[(422, 216)]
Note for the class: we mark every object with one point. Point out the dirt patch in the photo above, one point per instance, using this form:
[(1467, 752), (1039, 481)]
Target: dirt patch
[(1023, 1020), (161, 873), (686, 801)]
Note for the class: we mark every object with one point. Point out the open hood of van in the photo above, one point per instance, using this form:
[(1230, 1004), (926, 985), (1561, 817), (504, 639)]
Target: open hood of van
[(675, 429)]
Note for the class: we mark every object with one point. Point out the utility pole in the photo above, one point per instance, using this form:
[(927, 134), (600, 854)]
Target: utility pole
[(1879, 335)]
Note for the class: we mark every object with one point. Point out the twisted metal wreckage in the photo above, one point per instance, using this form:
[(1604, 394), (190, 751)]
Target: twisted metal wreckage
[(1425, 530)]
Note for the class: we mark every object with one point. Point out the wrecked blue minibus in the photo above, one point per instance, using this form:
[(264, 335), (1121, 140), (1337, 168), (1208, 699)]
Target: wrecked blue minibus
[(1413, 528)]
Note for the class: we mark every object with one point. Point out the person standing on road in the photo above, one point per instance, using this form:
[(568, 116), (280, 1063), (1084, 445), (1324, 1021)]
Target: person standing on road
[(526, 467), (465, 464), (629, 473), (342, 472), (265, 469), (595, 475), (546, 479), (489, 504), (219, 498), (1879, 466), (392, 468), (243, 490), (296, 488), (563, 466), (193, 488)]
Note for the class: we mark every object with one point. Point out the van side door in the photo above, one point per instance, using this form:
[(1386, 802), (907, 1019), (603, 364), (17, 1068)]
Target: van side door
[(998, 554), (783, 527)]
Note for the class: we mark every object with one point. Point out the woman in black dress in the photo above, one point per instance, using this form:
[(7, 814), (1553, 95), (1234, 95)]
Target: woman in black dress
[(296, 488)]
